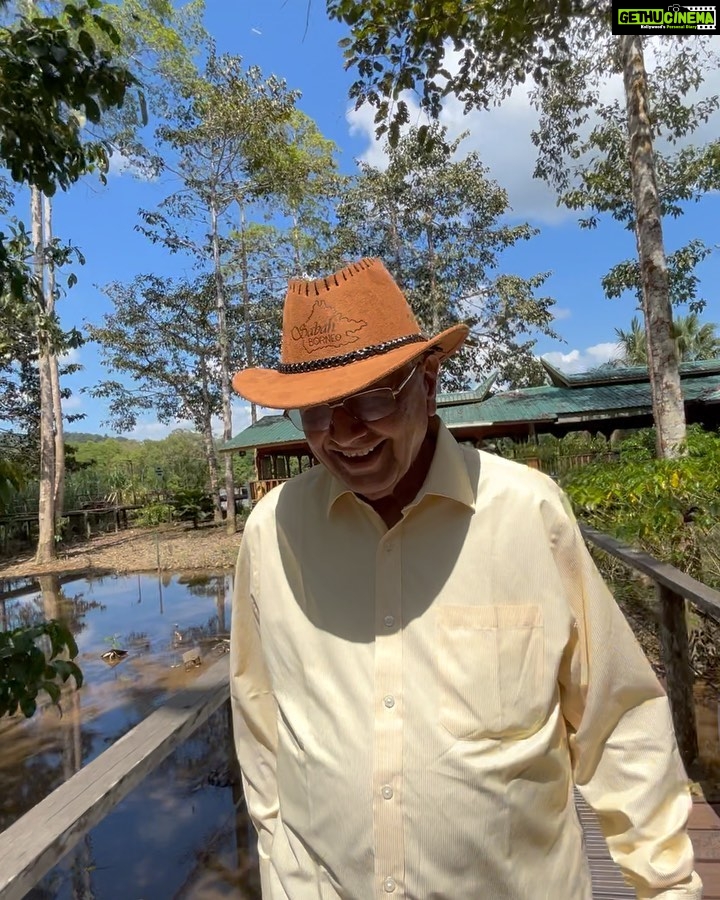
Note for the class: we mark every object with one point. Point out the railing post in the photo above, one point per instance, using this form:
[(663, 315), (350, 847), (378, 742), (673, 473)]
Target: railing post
[(676, 656)]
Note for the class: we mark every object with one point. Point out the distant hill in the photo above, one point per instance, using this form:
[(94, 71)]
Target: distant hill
[(82, 437)]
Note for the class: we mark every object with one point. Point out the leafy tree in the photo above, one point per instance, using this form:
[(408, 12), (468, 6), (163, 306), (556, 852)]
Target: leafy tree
[(400, 45), (162, 335), (25, 670), (129, 467), (695, 340), (53, 78), (437, 221), (219, 134)]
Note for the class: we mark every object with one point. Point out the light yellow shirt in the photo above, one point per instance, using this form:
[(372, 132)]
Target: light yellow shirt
[(413, 706)]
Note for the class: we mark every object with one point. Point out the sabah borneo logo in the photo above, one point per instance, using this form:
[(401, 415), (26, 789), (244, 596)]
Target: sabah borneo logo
[(327, 329)]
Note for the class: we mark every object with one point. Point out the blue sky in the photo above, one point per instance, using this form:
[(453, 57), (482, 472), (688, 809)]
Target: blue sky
[(275, 36)]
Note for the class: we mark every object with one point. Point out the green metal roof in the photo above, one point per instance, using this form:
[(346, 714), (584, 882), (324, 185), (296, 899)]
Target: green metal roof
[(480, 393), (547, 403), (267, 430), (624, 374)]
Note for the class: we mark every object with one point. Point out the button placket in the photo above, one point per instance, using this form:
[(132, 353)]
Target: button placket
[(388, 742)]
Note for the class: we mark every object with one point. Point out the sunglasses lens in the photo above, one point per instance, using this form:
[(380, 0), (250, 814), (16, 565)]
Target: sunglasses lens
[(315, 418), (371, 406), (295, 418)]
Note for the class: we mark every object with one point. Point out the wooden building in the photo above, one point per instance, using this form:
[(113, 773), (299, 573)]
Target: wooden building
[(600, 401)]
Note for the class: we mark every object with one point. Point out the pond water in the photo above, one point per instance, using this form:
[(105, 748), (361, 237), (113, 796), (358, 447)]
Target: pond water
[(183, 831)]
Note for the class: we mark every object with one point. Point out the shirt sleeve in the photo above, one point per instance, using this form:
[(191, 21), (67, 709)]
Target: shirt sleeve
[(625, 758), (254, 711)]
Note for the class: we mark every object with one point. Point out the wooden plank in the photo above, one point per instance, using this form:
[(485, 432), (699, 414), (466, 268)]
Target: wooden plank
[(709, 872), (679, 673), (35, 843), (703, 815), (607, 880), (701, 595)]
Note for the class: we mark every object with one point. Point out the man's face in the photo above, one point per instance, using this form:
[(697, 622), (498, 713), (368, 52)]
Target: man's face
[(394, 442)]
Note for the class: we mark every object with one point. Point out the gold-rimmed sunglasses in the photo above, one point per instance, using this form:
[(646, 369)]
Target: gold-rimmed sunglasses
[(367, 406)]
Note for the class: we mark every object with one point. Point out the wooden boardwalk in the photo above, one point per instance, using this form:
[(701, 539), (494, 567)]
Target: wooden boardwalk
[(608, 883)]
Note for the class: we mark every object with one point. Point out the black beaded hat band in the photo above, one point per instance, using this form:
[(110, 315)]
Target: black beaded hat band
[(315, 365)]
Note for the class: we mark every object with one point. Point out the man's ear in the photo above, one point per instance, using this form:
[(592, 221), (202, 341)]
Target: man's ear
[(431, 375)]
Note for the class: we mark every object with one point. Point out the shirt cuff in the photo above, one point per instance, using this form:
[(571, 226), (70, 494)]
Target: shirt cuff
[(691, 889)]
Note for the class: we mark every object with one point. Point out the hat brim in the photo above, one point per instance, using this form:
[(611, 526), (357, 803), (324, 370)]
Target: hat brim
[(276, 390)]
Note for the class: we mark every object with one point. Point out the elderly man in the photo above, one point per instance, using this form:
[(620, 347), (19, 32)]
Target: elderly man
[(424, 658)]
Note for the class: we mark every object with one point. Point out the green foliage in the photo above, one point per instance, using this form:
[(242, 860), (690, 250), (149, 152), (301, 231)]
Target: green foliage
[(668, 506), (53, 78), (153, 514), (193, 506), (439, 222), (159, 332), (11, 481), (25, 670), (695, 340), (399, 45), (128, 467)]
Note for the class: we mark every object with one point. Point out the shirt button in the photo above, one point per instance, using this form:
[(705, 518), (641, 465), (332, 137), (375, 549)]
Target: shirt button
[(389, 701), (389, 621), (389, 885), (389, 547), (387, 792)]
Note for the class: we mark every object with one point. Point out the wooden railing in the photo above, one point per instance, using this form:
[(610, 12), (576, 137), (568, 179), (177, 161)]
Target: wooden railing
[(673, 588), (35, 843), (259, 488)]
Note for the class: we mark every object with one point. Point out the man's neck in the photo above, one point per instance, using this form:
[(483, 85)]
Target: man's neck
[(390, 508)]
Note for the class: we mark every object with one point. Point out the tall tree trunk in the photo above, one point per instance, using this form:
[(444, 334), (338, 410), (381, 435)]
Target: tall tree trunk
[(46, 505), (395, 242), (209, 443), (224, 348), (663, 365), (432, 266), (296, 246), (211, 459), (246, 300), (59, 483)]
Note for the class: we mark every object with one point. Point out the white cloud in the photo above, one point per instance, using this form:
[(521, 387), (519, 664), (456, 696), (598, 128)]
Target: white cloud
[(156, 431), (70, 357), (561, 312), (501, 136), (74, 401), (122, 165), (583, 360)]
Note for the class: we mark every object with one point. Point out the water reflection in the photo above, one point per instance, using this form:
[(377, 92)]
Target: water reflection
[(183, 832)]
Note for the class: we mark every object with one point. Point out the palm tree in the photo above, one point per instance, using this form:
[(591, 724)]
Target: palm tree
[(633, 344), (695, 340)]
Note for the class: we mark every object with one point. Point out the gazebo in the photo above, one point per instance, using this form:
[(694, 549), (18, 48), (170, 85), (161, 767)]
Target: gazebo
[(598, 401)]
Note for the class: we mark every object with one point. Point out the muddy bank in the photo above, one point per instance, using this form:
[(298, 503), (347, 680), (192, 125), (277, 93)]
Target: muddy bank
[(173, 547)]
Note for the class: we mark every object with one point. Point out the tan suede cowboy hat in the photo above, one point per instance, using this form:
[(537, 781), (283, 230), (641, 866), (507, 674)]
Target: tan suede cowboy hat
[(341, 334)]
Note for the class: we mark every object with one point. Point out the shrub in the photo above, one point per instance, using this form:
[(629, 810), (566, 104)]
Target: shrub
[(669, 507), (154, 513), (25, 669)]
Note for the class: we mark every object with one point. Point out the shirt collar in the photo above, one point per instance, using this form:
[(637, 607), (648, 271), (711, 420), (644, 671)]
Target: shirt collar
[(447, 477)]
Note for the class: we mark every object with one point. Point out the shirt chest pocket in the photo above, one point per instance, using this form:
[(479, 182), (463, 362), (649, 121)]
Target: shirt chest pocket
[(491, 671)]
